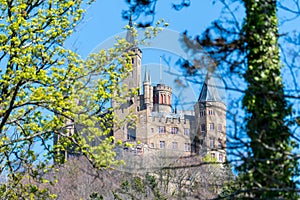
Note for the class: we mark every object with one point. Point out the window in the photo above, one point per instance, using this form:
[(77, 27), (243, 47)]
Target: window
[(211, 112), (152, 145), (186, 131), (219, 127), (152, 130), (174, 130), (162, 144), (202, 113), (221, 157), (162, 129), (211, 126), (132, 60), (187, 146), (202, 127), (213, 155), (212, 143), (174, 145), (220, 144)]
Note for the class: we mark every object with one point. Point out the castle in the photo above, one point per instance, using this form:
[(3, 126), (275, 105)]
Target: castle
[(158, 126)]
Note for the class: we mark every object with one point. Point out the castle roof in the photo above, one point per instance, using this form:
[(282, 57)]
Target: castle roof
[(209, 91)]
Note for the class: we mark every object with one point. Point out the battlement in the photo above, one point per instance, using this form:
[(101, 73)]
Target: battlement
[(162, 87)]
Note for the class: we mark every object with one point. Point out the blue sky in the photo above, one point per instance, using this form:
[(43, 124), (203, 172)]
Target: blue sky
[(103, 21)]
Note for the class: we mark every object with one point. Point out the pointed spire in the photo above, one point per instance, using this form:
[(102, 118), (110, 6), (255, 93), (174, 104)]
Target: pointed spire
[(129, 36), (209, 91), (147, 77), (130, 20)]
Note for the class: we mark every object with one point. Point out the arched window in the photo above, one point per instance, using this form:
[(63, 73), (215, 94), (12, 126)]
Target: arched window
[(161, 99), (165, 99)]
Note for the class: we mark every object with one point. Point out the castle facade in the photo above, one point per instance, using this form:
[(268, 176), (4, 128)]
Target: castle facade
[(158, 126)]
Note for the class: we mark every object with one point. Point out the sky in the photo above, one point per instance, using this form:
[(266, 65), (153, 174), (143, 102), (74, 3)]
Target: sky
[(103, 22), (103, 19)]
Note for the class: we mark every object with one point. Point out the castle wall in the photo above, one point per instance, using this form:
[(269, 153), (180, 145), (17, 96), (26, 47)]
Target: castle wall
[(168, 133)]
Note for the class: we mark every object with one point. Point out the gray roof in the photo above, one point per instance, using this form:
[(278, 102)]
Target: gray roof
[(209, 91)]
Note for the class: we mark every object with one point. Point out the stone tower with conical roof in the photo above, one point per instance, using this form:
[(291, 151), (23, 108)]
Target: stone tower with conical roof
[(210, 116)]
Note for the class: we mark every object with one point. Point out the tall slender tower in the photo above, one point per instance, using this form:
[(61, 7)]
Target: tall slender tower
[(133, 81), (210, 113), (134, 78)]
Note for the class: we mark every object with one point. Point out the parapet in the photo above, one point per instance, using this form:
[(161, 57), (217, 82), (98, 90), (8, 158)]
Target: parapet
[(164, 87)]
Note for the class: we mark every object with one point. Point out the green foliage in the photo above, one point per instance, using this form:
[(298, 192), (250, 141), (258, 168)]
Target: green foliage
[(125, 185), (268, 171), (209, 159), (136, 187), (151, 181), (47, 92), (96, 196), (116, 196)]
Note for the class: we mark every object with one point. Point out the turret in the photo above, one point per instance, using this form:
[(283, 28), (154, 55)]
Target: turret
[(162, 98), (151, 93), (146, 85)]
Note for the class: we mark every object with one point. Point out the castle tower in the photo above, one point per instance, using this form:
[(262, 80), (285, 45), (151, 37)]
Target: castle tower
[(134, 78), (210, 113), (132, 81), (162, 98)]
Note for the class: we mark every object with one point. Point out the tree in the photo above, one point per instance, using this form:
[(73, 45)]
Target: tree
[(266, 108), (77, 178), (48, 91), (251, 49)]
